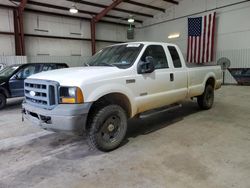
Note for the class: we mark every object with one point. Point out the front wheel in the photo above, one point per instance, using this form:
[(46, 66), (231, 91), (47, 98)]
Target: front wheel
[(107, 128), (206, 100), (2, 101)]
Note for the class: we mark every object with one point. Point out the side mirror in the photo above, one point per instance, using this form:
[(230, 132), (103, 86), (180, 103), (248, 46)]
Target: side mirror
[(146, 67), (15, 77)]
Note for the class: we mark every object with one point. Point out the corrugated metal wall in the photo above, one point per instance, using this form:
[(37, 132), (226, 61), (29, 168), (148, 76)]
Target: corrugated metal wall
[(72, 61)]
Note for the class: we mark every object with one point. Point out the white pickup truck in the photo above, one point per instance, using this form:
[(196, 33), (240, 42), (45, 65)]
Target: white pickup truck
[(119, 82)]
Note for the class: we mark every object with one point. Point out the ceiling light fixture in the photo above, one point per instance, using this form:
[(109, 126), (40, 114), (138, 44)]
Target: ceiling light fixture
[(172, 36), (131, 19), (73, 9)]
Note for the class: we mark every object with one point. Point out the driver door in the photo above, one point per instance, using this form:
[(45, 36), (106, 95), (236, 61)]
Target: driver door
[(16, 82), (154, 89)]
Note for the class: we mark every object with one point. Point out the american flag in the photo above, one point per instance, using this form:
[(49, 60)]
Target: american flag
[(201, 39)]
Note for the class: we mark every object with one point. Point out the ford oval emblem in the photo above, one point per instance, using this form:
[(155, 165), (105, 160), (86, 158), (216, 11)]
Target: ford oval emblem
[(32, 93)]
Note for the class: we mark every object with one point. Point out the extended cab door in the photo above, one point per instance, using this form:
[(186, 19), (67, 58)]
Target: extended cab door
[(179, 75), (154, 89)]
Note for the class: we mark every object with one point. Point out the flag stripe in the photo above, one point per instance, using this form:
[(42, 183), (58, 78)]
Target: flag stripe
[(188, 49), (213, 31), (190, 38), (201, 52), (191, 60), (195, 46), (208, 37), (204, 38), (199, 48)]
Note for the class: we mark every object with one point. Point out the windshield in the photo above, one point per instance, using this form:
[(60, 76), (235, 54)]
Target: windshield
[(121, 56), (8, 71)]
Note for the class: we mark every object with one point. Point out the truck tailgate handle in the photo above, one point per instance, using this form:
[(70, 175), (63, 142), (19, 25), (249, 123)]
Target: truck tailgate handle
[(171, 77)]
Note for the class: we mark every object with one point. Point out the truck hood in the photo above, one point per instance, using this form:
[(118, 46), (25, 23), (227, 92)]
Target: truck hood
[(77, 75)]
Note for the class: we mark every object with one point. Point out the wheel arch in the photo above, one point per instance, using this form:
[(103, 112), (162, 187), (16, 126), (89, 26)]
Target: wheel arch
[(108, 99), (5, 92), (210, 81)]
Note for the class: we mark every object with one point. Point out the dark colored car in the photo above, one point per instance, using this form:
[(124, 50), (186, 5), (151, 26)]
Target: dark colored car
[(241, 75), (12, 78)]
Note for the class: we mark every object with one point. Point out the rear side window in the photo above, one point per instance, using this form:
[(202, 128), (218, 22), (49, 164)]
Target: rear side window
[(158, 54), (48, 67), (59, 66), (175, 57)]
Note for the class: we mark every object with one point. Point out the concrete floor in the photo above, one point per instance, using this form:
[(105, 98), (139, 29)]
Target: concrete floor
[(180, 149)]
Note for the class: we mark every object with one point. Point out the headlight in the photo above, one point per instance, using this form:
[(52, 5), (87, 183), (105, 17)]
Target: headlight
[(72, 91), (71, 95)]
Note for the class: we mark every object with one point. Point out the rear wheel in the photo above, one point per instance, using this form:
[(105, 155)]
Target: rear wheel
[(2, 101), (206, 100), (107, 128)]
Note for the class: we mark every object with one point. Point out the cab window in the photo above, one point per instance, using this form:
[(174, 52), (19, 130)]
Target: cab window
[(59, 66), (48, 67), (158, 54), (28, 71), (175, 57)]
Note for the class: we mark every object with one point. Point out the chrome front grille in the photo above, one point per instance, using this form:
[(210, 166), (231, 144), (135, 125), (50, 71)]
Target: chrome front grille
[(41, 93)]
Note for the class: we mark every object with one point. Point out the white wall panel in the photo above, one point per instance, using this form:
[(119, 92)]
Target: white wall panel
[(72, 61), (55, 25), (7, 45), (101, 45), (6, 20), (56, 47), (111, 32)]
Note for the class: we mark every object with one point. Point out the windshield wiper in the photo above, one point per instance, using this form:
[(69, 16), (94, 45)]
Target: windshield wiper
[(106, 64), (86, 64)]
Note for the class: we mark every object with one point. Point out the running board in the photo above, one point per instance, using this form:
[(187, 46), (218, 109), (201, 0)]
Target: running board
[(160, 110)]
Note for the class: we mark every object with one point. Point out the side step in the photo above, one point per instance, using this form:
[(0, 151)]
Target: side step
[(160, 110)]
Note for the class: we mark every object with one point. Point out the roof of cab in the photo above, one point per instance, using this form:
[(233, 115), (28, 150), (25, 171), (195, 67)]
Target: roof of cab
[(145, 43)]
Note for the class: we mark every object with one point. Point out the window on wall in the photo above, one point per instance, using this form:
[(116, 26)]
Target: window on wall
[(175, 57), (158, 54)]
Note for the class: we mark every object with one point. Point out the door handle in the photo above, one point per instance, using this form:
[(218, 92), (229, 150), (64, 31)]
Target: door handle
[(171, 77)]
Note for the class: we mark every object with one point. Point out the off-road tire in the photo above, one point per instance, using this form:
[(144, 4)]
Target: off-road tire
[(2, 101), (206, 100), (99, 132)]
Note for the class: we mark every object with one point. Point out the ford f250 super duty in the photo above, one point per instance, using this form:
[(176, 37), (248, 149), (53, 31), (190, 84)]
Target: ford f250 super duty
[(119, 82)]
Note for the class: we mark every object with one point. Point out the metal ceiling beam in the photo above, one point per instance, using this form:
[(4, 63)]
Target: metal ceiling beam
[(18, 27), (144, 5), (172, 1), (22, 5), (116, 9), (68, 38), (106, 10), (97, 18), (80, 11)]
